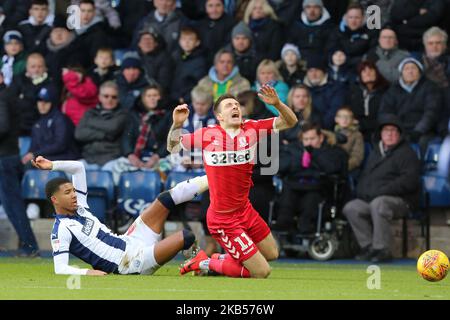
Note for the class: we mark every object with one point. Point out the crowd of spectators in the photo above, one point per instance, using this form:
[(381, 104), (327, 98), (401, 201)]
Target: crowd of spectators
[(102, 92)]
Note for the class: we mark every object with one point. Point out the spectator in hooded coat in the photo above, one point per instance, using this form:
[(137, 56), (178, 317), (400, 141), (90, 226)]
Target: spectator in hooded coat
[(52, 135), (157, 63), (131, 80)]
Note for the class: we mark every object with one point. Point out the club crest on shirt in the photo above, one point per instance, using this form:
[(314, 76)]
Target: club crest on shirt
[(87, 227)]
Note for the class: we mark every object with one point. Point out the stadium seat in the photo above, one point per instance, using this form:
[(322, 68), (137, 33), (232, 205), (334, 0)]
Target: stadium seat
[(137, 190), (176, 177), (24, 145), (432, 156), (118, 56), (34, 181), (100, 186), (437, 188)]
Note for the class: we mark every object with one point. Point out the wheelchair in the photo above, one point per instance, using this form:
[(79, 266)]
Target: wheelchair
[(332, 236)]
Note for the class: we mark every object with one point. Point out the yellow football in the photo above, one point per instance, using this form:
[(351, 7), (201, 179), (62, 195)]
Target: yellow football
[(433, 265)]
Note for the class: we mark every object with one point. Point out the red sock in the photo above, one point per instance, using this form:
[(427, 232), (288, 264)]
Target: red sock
[(220, 256), (229, 267)]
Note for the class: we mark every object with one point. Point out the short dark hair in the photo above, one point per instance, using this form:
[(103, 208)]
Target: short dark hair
[(39, 3), (53, 186), (308, 126), (221, 98), (356, 6), (87, 2)]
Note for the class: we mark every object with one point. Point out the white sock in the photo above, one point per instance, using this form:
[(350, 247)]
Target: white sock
[(188, 190), (204, 265)]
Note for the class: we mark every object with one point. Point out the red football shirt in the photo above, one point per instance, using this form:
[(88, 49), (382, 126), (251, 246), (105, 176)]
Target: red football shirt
[(228, 160)]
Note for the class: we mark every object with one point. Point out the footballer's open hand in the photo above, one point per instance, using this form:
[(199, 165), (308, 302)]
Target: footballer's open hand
[(269, 95), (42, 163), (180, 114)]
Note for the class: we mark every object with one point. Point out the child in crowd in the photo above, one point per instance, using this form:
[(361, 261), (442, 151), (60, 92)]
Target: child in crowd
[(14, 60), (81, 93), (338, 68), (345, 125), (291, 67), (105, 67)]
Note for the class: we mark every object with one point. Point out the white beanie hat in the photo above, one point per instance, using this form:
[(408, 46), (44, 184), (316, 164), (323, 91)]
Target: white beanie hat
[(290, 47), (410, 60)]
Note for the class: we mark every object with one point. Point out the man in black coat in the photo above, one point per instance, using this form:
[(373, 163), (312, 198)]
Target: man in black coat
[(36, 29), (92, 34), (166, 20), (131, 80), (416, 101), (11, 173), (215, 28), (388, 188), (100, 130), (302, 165), (353, 36), (245, 55), (311, 33), (24, 90)]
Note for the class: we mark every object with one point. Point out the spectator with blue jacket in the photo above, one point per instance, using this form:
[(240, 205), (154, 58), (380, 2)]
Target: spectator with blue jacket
[(52, 136), (131, 80)]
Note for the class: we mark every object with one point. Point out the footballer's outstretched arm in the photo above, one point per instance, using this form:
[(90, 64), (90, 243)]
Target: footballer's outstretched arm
[(74, 168), (287, 118), (180, 114)]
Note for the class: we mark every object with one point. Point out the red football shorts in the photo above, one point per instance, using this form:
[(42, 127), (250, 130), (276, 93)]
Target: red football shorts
[(238, 232)]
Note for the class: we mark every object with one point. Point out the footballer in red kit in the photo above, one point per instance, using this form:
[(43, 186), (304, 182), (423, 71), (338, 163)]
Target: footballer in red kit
[(229, 154)]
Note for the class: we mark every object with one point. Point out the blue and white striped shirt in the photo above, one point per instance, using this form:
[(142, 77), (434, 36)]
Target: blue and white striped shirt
[(82, 234)]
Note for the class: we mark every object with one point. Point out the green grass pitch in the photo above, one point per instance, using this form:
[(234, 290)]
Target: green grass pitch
[(34, 279)]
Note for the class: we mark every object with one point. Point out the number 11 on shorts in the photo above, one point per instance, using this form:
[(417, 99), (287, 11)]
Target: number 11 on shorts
[(241, 243)]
